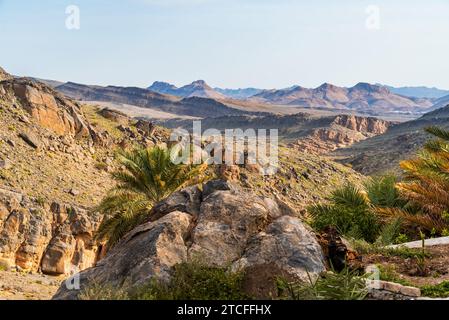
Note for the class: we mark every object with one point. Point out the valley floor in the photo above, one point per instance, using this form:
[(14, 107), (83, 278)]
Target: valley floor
[(25, 286)]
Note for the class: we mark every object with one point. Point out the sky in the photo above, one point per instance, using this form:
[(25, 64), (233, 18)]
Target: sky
[(228, 43)]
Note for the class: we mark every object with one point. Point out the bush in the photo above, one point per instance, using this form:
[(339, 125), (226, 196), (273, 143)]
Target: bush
[(346, 285), (438, 291), (350, 212), (97, 292), (193, 281)]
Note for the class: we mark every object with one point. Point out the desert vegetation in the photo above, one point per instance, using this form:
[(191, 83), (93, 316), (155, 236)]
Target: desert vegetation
[(146, 177)]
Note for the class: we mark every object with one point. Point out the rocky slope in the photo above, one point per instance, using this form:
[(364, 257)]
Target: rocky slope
[(301, 131), (220, 224), (383, 153), (191, 105), (362, 97), (54, 161)]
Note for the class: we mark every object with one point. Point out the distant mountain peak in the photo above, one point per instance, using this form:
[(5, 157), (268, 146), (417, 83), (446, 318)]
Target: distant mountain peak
[(327, 85), (371, 88), (163, 87), (200, 83)]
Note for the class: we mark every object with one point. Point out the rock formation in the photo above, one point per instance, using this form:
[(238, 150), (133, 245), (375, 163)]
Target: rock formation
[(55, 240), (221, 225)]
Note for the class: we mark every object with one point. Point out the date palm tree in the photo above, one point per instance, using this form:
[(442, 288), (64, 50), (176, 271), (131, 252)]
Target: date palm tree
[(426, 185), (147, 176)]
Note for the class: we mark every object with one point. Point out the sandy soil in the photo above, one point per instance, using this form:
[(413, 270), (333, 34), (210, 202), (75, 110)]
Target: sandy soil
[(24, 286)]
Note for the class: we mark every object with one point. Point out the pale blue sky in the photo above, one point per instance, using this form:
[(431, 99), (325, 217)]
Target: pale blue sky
[(228, 43)]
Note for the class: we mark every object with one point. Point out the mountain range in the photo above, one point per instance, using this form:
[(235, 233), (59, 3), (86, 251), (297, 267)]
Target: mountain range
[(192, 105), (361, 97), (418, 92)]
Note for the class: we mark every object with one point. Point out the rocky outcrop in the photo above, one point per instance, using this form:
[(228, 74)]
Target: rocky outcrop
[(218, 224), (46, 107), (115, 115), (4, 75), (362, 124), (343, 131), (55, 240)]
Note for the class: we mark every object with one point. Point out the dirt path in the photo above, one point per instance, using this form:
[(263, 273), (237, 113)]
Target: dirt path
[(24, 286)]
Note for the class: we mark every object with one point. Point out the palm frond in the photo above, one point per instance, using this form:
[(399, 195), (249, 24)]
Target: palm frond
[(438, 132)]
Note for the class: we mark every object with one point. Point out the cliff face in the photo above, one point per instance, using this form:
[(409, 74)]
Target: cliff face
[(54, 239), (49, 109), (343, 131), (362, 124)]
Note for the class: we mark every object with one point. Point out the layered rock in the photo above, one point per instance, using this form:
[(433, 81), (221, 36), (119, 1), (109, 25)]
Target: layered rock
[(54, 240), (47, 108), (343, 131), (219, 225), (363, 125)]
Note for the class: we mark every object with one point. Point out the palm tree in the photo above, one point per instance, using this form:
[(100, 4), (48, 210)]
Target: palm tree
[(353, 210), (426, 185), (147, 177)]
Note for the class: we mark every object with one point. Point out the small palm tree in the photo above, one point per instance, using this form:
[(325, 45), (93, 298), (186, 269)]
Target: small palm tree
[(353, 210), (148, 176)]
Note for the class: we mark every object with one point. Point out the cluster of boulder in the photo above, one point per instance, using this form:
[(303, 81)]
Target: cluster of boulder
[(220, 225)]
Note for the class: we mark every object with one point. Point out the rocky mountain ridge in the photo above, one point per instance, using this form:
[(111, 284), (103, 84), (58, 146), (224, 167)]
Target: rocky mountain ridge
[(361, 97), (382, 153), (199, 89), (192, 105)]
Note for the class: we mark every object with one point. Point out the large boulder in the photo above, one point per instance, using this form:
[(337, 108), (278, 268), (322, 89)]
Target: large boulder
[(288, 245), (220, 225), (225, 224), (114, 115), (149, 251)]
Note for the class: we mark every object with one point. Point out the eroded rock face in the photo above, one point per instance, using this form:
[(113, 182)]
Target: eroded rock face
[(363, 124), (222, 226), (47, 108), (55, 240)]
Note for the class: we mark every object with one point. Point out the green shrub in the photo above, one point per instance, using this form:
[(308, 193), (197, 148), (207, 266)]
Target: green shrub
[(382, 192), (437, 291), (97, 292), (390, 232), (350, 212), (389, 273), (193, 281), (363, 247), (346, 285)]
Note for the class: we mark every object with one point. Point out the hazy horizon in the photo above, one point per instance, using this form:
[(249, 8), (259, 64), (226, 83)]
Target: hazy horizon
[(230, 44)]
